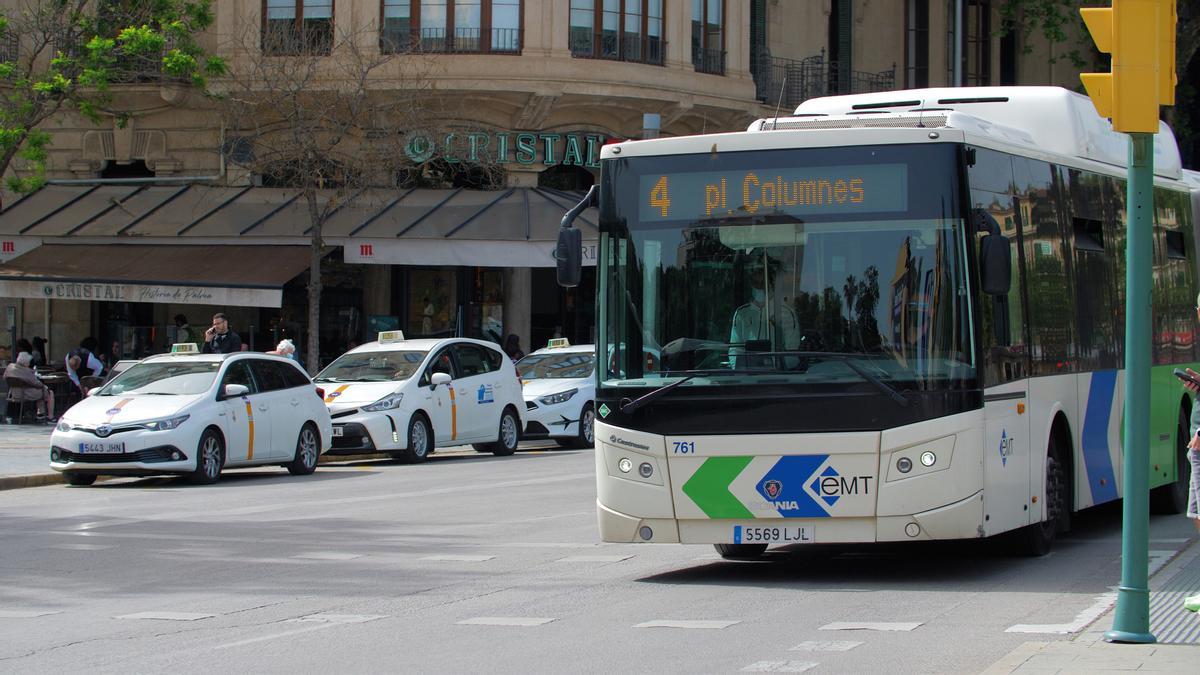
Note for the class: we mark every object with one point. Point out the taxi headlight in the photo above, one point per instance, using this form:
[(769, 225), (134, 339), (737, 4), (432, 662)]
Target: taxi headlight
[(165, 424), (389, 402), (560, 397), (64, 426)]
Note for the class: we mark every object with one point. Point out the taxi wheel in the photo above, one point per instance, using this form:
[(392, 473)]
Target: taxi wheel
[(73, 478), (740, 551), (210, 456), (587, 427), (509, 434), (308, 449), (420, 440)]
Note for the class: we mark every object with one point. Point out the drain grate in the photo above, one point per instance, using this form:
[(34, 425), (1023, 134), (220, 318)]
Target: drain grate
[(1169, 621)]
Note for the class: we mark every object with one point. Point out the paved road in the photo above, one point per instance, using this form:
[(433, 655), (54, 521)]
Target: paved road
[(475, 563)]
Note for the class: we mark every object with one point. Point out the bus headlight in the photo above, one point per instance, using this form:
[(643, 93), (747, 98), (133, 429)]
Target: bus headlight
[(625, 465)]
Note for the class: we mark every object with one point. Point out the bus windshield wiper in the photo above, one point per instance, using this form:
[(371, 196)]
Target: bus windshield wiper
[(848, 359), (627, 406)]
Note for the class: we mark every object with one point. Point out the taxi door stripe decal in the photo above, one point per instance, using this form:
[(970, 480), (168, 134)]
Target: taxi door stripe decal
[(117, 408), (335, 393), (250, 421), (453, 415)]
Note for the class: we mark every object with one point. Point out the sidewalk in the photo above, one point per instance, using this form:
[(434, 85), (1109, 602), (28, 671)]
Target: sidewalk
[(1176, 629)]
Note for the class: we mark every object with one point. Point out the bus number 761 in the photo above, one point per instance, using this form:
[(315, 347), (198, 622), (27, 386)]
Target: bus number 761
[(685, 447)]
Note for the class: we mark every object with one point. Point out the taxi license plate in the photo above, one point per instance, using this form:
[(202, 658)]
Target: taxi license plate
[(772, 534), (101, 448), (337, 431)]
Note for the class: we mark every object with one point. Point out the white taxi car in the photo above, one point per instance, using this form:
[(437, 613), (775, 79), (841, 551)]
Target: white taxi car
[(408, 397), (194, 414), (559, 384)]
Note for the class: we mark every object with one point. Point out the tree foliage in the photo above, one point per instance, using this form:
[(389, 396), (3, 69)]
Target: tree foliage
[(58, 55)]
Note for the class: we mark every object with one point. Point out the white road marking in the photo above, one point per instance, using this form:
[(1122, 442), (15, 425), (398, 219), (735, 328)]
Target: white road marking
[(459, 558), (26, 613), (826, 646), (594, 558), (779, 667), (81, 547), (339, 618), (506, 621), (873, 625), (328, 556), (1082, 619), (167, 616), (274, 636), (683, 623)]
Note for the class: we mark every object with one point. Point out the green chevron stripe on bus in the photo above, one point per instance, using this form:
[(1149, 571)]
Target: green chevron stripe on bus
[(709, 487)]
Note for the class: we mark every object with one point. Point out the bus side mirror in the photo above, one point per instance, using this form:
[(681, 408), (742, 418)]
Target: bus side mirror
[(995, 264), (569, 256)]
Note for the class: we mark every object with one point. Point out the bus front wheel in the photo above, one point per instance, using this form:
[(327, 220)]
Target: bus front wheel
[(740, 551), (1037, 538)]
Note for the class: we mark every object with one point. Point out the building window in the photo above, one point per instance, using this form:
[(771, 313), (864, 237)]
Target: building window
[(619, 30), (708, 36), (917, 44), (977, 50), (297, 26), (451, 26)]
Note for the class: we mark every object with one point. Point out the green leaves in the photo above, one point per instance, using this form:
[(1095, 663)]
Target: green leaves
[(134, 41)]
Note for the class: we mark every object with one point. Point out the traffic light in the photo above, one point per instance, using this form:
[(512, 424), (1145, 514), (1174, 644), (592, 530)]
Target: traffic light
[(1140, 35)]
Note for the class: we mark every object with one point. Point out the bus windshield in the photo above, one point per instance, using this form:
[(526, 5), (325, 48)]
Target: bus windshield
[(810, 266)]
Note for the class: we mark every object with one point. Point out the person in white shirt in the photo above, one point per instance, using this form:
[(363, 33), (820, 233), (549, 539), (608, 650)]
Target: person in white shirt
[(763, 319), (83, 359)]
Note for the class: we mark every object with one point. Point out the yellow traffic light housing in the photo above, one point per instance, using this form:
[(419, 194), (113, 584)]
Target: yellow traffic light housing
[(1140, 35)]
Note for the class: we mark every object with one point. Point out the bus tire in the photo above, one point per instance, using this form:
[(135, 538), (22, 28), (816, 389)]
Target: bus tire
[(740, 551), (1036, 539), (1172, 497)]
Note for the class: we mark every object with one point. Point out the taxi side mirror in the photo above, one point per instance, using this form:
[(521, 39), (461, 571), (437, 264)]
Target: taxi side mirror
[(235, 390), (439, 378)]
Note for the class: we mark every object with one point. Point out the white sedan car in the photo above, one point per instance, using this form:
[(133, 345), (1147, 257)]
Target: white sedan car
[(408, 397), (194, 414), (559, 384)]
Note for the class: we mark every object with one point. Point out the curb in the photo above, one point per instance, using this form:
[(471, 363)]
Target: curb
[(55, 478)]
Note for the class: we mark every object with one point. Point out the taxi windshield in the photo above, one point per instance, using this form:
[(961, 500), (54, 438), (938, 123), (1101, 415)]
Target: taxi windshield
[(174, 378), (377, 366), (556, 366)]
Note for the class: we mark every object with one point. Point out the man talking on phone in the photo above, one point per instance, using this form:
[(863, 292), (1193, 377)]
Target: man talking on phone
[(218, 339), (1192, 603)]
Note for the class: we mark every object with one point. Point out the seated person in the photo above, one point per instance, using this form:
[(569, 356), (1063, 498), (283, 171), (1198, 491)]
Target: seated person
[(81, 362), (771, 324), (36, 391)]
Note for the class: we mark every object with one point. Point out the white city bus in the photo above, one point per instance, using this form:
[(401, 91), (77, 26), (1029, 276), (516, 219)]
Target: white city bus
[(890, 317)]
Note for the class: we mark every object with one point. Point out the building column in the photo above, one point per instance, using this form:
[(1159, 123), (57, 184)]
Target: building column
[(377, 293), (518, 287)]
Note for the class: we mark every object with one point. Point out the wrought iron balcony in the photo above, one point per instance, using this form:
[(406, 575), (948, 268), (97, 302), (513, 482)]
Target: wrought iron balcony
[(609, 46), (458, 41), (786, 83), (711, 61)]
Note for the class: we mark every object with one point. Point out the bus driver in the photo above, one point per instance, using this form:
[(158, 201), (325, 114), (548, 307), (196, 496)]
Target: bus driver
[(773, 325)]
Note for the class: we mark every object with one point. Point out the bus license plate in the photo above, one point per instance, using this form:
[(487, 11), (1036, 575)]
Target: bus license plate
[(337, 431), (790, 534), (101, 448)]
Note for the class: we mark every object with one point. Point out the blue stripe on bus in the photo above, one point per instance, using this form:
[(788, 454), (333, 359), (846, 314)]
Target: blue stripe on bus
[(1097, 461)]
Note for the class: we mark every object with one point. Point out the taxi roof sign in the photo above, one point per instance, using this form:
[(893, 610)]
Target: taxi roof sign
[(185, 348), (556, 343), (391, 336)]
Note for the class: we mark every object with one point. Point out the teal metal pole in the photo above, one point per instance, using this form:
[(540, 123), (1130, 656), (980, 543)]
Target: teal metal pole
[(1131, 621)]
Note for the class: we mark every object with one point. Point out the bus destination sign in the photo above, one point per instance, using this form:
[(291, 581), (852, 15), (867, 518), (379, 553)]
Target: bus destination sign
[(799, 191)]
